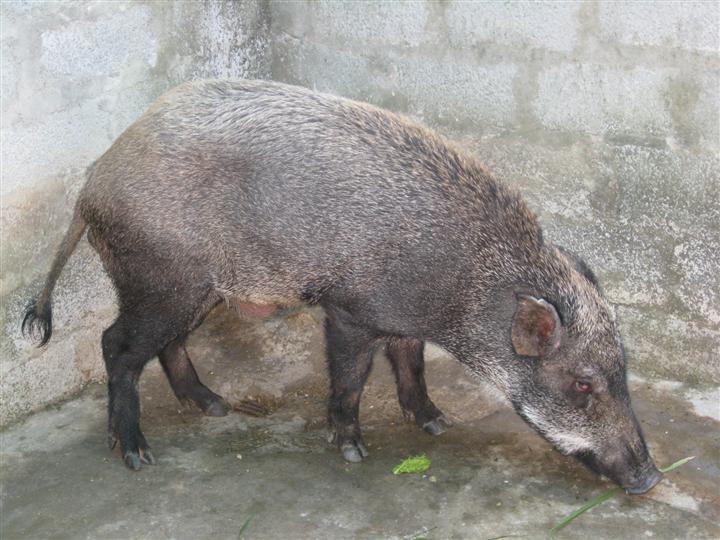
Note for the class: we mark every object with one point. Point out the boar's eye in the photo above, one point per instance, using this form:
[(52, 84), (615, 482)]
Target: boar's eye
[(583, 387)]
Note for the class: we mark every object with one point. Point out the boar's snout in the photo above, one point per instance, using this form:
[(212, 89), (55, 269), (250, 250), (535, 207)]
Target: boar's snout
[(629, 465), (651, 478)]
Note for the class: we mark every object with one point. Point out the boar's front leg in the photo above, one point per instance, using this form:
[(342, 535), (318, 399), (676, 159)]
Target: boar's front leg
[(185, 381), (349, 355), (406, 357)]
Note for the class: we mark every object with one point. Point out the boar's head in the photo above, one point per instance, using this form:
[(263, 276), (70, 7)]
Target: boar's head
[(568, 379)]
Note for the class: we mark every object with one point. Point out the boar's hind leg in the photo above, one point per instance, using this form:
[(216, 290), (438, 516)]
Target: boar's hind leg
[(349, 355), (141, 331), (185, 381), (126, 352), (406, 357)]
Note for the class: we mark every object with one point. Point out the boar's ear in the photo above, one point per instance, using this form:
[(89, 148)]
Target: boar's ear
[(536, 328)]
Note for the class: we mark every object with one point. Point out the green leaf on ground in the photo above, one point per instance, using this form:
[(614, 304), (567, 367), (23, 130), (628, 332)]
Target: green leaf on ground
[(414, 464)]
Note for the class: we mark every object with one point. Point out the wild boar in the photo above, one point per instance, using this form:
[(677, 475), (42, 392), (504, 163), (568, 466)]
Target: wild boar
[(261, 194)]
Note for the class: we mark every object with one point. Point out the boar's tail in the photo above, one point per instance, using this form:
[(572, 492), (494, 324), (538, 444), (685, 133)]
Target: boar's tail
[(37, 323)]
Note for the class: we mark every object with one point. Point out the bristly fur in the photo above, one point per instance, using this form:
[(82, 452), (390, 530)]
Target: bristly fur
[(37, 323), (263, 195)]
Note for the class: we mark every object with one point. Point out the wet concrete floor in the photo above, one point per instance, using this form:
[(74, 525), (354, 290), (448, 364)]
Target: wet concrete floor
[(491, 476)]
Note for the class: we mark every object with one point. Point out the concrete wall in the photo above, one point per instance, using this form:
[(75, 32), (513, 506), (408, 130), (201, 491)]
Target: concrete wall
[(74, 76), (605, 114)]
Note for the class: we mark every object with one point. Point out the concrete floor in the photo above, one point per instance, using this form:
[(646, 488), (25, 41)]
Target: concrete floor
[(491, 476)]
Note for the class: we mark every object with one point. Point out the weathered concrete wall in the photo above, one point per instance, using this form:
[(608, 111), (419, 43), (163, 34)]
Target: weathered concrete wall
[(605, 114), (74, 76)]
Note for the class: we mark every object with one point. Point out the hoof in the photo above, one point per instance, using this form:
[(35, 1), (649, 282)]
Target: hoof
[(218, 407), (134, 460), (146, 456), (354, 451), (352, 447), (437, 425)]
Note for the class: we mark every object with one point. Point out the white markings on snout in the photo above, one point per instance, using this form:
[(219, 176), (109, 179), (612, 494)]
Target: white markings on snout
[(569, 443), (565, 441)]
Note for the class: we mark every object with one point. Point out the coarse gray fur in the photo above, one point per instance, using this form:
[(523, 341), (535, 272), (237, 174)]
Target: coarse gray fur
[(260, 194)]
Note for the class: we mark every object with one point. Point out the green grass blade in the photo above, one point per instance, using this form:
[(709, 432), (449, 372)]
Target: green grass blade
[(677, 464), (244, 526), (587, 506), (609, 494)]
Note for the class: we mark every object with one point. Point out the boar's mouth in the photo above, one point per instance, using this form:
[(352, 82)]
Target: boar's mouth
[(634, 480), (649, 482)]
